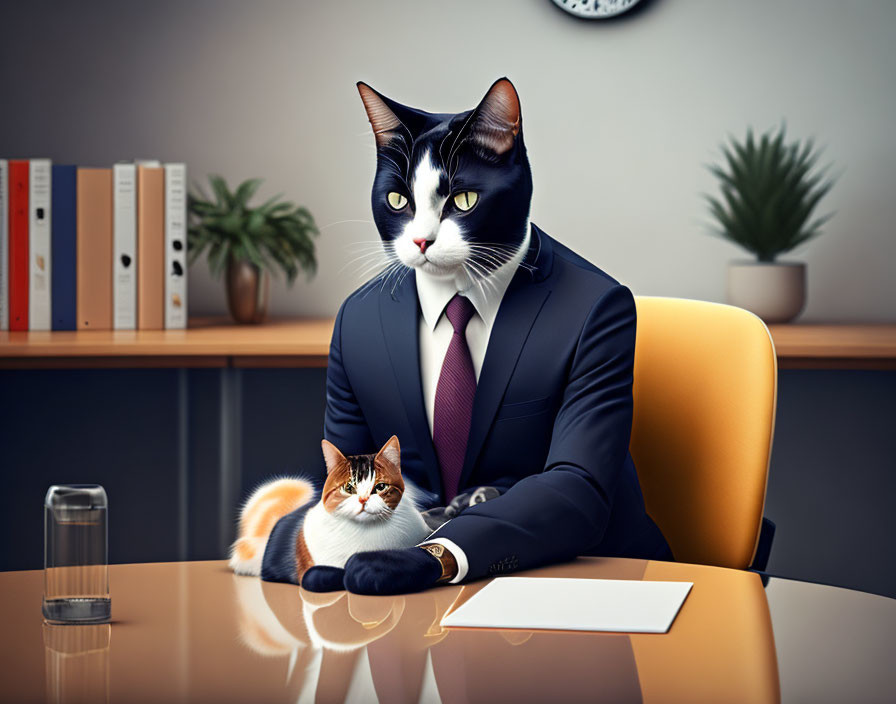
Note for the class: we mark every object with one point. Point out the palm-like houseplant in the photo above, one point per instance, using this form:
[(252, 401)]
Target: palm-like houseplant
[(248, 242), (769, 190)]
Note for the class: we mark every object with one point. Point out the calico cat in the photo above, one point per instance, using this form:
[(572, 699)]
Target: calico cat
[(365, 504), (452, 192)]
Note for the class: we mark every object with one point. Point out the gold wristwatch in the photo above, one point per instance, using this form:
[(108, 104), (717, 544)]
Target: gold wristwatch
[(445, 558)]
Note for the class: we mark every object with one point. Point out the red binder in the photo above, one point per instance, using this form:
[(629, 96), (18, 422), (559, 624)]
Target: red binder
[(18, 244)]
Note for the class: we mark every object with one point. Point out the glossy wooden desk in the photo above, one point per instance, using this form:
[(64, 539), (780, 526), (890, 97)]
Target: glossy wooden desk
[(195, 632), (216, 342)]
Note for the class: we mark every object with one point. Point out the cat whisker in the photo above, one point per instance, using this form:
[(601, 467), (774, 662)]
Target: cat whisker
[(366, 257), (372, 259), (477, 266), (441, 146), (486, 277), (400, 280), (393, 265), (480, 276), (379, 252), (343, 222), (393, 272), (496, 246), (382, 275), (499, 252), (395, 277), (364, 270), (487, 258), (507, 252), (374, 273), (471, 275), (377, 243), (403, 152), (479, 281), (393, 162), (372, 283), (503, 251)]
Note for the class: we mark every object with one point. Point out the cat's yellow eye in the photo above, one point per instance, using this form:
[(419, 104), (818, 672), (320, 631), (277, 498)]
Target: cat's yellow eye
[(396, 200), (379, 487), (348, 488), (466, 200)]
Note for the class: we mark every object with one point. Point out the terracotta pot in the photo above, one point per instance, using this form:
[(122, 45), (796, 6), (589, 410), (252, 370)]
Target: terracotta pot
[(776, 291), (248, 291)]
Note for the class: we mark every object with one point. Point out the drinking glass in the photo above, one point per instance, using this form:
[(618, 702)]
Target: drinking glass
[(76, 569)]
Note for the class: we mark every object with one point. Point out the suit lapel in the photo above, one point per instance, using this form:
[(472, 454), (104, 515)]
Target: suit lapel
[(400, 321), (515, 318), (521, 304)]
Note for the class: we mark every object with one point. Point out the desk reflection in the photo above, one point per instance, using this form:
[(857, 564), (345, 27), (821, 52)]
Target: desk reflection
[(77, 663), (345, 647)]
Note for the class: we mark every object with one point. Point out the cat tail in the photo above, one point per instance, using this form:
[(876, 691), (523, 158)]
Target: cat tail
[(267, 505)]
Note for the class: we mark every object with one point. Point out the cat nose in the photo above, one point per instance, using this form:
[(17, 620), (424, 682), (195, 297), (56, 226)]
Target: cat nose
[(363, 499), (422, 243)]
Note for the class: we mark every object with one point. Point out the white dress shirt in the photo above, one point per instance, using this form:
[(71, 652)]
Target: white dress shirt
[(435, 334)]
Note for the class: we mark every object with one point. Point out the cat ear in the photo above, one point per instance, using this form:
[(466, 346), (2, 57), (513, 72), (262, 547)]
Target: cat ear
[(391, 452), (383, 119), (497, 120), (332, 456)]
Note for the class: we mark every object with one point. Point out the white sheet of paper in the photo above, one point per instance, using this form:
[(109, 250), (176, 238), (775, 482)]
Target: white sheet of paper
[(618, 605)]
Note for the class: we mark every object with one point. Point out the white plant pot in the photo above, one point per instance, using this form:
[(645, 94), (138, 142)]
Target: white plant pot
[(775, 292)]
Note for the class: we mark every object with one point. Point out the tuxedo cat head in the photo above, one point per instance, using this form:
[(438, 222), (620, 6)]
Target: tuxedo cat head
[(452, 191), (363, 488)]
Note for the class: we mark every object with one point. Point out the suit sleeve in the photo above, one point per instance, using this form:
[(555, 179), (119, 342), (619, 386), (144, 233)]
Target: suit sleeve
[(344, 423), (559, 513)]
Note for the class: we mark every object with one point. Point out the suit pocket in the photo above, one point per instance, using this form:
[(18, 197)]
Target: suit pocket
[(523, 408)]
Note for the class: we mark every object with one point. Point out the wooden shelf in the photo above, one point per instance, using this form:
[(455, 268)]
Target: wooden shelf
[(209, 342), (835, 346), (217, 342)]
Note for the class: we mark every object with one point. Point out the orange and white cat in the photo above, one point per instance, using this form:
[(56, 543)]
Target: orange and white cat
[(365, 505)]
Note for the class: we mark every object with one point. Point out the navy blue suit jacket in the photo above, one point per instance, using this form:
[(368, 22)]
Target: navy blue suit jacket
[(551, 418)]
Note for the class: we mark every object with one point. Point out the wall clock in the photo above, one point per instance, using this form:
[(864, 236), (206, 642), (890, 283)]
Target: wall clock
[(596, 9)]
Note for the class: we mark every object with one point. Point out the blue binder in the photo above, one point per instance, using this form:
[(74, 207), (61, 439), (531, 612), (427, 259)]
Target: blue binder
[(64, 247)]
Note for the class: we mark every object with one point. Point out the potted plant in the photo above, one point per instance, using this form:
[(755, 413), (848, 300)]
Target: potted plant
[(247, 243), (769, 189)]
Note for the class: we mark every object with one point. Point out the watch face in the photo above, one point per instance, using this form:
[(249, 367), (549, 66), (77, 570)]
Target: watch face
[(596, 9), (435, 549)]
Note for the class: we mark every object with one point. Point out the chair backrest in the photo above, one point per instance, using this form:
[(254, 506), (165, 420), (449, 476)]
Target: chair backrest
[(705, 387)]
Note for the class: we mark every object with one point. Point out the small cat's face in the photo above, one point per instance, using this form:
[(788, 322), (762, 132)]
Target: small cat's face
[(452, 191), (363, 488)]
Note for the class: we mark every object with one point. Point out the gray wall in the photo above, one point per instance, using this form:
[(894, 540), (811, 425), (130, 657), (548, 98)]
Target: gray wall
[(620, 118)]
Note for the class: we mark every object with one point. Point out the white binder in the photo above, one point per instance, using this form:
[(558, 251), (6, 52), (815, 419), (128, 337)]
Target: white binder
[(39, 246), (175, 246), (124, 247)]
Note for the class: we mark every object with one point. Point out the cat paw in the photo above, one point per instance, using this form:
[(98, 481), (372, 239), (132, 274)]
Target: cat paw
[(323, 578), (389, 572), (483, 494)]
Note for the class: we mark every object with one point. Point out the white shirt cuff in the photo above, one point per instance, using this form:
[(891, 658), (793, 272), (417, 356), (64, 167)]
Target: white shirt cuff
[(462, 565)]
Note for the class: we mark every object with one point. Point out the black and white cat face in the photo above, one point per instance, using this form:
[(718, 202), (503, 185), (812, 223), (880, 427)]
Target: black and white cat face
[(452, 191)]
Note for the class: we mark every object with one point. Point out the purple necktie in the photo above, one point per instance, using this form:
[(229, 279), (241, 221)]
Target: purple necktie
[(454, 398)]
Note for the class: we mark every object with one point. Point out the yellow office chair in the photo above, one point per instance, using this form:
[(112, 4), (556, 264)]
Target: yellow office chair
[(705, 385)]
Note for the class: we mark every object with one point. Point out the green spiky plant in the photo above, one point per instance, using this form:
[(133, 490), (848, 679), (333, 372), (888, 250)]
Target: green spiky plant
[(769, 190), (275, 234)]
